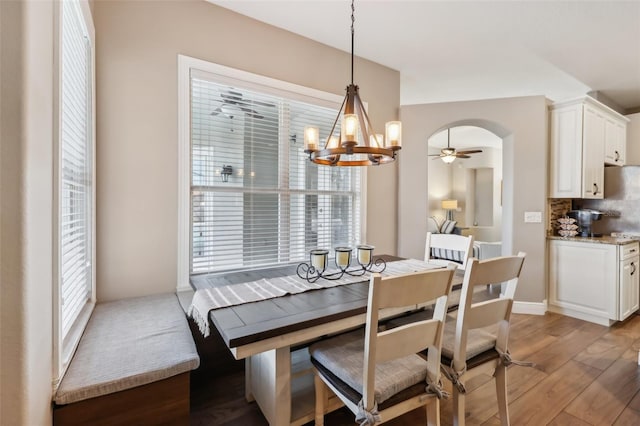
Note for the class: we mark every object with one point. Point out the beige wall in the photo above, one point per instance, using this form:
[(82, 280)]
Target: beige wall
[(522, 124), (633, 139), (137, 44), (26, 53)]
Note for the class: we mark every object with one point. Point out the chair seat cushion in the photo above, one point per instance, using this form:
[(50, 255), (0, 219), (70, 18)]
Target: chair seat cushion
[(343, 355), (479, 340)]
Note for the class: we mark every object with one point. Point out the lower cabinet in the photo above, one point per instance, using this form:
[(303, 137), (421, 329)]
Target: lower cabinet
[(593, 281)]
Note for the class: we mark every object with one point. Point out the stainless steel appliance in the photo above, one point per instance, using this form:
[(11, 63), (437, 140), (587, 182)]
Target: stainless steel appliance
[(584, 219)]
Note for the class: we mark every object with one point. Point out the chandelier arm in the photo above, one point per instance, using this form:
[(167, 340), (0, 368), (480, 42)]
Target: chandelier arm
[(335, 122), (370, 126)]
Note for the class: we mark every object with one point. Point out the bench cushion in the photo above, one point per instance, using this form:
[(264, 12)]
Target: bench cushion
[(128, 343)]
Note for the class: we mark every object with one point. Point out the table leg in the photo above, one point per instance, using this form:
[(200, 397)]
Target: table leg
[(270, 380), (248, 394)]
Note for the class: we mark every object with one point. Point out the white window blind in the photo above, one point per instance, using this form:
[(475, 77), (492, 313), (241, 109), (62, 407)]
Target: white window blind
[(275, 205), (75, 190)]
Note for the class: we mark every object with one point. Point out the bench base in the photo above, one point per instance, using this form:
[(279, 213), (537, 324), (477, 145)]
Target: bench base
[(165, 402)]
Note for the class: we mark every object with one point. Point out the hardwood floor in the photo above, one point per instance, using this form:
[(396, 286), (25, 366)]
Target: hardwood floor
[(585, 374)]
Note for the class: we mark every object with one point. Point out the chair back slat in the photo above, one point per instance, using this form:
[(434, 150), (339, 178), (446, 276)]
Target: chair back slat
[(411, 289), (496, 272), (488, 313), (454, 247), (406, 340)]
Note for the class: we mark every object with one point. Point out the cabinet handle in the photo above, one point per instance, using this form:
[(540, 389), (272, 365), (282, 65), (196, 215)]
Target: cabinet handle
[(617, 158), (633, 266), (595, 189)]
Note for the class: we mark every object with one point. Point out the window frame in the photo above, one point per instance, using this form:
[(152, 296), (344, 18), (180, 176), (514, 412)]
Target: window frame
[(248, 80), (64, 346)]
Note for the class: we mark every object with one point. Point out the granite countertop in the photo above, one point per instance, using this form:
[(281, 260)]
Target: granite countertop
[(606, 239)]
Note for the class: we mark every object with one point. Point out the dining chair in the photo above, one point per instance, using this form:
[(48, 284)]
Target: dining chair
[(476, 341), (378, 374), (441, 249)]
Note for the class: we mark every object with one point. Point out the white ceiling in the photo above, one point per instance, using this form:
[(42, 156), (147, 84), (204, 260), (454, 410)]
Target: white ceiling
[(462, 50)]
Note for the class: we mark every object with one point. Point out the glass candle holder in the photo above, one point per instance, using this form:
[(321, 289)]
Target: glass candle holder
[(318, 259), (343, 257), (365, 254)]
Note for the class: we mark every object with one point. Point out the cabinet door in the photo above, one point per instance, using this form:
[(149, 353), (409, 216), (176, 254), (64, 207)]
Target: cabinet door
[(593, 153), (583, 278), (615, 141), (629, 287), (566, 152)]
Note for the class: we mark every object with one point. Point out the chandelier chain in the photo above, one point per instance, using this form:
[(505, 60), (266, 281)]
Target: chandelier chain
[(353, 19)]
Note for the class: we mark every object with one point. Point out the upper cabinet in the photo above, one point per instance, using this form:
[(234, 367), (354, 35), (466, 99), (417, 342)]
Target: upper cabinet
[(615, 143), (585, 135)]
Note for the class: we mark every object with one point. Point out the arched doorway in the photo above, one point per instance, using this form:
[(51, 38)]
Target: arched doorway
[(465, 180)]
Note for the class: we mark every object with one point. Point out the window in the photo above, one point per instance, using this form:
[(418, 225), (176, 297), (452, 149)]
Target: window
[(254, 199), (74, 193)]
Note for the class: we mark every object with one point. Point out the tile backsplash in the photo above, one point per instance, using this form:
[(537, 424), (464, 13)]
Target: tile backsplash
[(557, 207)]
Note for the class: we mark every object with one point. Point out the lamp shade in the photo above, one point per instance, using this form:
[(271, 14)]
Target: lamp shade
[(449, 204)]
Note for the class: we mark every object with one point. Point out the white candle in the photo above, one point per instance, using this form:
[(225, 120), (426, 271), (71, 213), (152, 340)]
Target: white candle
[(364, 254), (318, 259), (342, 256)]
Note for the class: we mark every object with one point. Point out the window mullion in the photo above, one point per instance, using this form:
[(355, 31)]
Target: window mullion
[(284, 214)]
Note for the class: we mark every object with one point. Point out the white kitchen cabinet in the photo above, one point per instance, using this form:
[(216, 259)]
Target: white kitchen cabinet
[(582, 133), (629, 282), (593, 281), (615, 144)]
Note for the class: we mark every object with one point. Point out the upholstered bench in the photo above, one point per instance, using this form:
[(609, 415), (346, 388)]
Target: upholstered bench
[(132, 366)]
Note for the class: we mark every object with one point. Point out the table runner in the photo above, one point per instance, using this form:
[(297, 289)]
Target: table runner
[(208, 299)]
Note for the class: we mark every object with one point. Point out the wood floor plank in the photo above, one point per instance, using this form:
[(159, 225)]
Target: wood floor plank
[(553, 357), (559, 325), (603, 401), (605, 351), (635, 402), (548, 398), (629, 417), (566, 419)]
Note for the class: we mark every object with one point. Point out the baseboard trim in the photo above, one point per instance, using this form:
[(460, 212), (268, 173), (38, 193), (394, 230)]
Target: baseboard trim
[(530, 308)]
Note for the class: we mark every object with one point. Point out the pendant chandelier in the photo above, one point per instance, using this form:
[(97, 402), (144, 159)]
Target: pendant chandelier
[(346, 148)]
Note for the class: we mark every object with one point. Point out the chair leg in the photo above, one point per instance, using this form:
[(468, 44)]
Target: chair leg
[(321, 397), (458, 407), (433, 413), (501, 391)]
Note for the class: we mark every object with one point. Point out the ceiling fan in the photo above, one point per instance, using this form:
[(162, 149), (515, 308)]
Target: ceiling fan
[(449, 154), (233, 103)]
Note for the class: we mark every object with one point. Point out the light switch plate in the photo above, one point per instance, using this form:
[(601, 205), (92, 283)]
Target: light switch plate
[(532, 217)]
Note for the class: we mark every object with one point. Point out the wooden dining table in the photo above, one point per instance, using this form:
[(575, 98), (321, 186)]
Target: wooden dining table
[(271, 335)]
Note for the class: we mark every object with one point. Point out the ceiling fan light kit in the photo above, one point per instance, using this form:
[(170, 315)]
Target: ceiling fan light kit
[(371, 149), (449, 154)]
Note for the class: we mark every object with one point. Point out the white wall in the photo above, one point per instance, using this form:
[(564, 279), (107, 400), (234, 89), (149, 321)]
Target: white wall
[(522, 124), (633, 139), (26, 123), (136, 63)]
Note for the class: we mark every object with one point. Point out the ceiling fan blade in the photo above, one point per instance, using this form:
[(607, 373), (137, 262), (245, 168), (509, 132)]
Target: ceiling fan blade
[(458, 155), (472, 151), (435, 155)]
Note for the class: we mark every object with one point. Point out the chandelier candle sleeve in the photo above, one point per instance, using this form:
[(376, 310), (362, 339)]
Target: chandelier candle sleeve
[(393, 130), (311, 138)]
